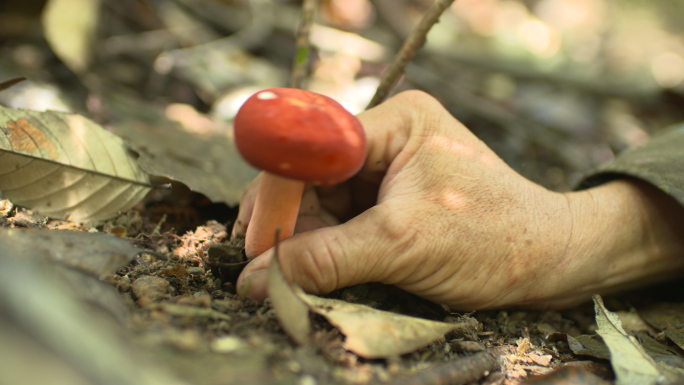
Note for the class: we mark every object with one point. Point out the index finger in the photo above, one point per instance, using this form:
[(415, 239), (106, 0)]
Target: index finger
[(390, 125)]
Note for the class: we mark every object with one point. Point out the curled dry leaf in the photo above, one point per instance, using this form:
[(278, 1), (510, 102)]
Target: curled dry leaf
[(291, 312), (66, 166), (373, 333), (369, 332)]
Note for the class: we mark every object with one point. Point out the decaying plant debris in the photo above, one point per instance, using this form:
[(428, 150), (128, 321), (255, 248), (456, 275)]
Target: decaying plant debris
[(158, 305), (175, 316)]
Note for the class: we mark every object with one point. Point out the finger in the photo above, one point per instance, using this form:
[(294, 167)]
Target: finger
[(388, 128), (391, 125), (246, 207), (309, 205), (329, 258), (314, 222)]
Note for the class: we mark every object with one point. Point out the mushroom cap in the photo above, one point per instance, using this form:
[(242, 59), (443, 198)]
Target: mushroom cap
[(300, 135)]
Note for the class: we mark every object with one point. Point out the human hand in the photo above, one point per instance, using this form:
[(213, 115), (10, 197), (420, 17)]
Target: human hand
[(440, 215)]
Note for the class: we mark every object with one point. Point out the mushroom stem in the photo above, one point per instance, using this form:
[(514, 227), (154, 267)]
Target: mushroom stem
[(277, 204)]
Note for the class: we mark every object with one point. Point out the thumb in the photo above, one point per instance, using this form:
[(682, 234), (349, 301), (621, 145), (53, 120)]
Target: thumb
[(325, 259)]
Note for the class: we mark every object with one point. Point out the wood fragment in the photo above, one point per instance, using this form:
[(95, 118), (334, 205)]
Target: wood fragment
[(460, 371), (300, 65), (9, 83), (412, 44)]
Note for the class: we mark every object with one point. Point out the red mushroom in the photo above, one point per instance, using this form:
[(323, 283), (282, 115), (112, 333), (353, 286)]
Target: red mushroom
[(295, 137)]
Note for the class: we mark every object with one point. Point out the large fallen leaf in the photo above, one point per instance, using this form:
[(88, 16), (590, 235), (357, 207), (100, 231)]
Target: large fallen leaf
[(78, 259), (630, 362), (94, 291), (369, 332), (97, 254), (69, 27), (41, 323), (65, 165), (208, 164)]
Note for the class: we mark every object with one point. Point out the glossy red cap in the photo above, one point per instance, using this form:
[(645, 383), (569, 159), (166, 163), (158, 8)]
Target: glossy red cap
[(300, 135)]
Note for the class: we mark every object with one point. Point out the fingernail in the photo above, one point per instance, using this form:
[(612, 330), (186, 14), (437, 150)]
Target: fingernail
[(254, 286)]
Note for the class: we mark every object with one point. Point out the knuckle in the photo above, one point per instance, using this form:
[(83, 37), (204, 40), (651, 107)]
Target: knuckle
[(314, 267), (420, 100), (424, 111)]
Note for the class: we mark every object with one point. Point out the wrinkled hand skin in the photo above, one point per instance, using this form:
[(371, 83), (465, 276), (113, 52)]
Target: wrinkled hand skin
[(437, 213)]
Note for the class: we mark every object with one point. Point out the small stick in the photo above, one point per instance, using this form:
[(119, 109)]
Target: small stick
[(300, 66), (276, 244), (9, 83), (412, 44), (459, 371), (157, 228)]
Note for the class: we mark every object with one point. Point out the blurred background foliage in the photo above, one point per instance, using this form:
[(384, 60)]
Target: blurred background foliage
[(555, 87)]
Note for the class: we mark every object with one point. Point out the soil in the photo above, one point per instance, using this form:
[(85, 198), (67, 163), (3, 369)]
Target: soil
[(183, 310)]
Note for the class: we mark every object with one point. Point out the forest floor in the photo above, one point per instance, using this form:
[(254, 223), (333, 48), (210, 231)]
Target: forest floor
[(170, 315), (188, 321)]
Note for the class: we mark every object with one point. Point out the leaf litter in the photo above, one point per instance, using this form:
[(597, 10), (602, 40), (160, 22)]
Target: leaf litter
[(166, 295), (171, 321), (178, 306), (370, 333)]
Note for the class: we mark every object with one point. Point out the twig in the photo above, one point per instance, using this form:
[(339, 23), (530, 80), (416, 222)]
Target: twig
[(412, 44), (276, 243), (300, 65), (464, 370), (9, 83), (157, 228)]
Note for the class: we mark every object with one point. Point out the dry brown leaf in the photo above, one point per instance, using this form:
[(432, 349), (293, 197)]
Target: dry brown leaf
[(291, 312), (369, 332), (65, 165), (373, 333), (209, 164)]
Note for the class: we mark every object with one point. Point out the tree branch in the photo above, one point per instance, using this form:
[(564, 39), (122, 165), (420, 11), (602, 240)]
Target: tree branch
[(412, 44), (300, 66)]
